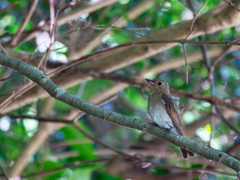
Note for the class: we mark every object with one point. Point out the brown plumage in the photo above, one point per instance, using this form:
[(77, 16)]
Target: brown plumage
[(163, 111)]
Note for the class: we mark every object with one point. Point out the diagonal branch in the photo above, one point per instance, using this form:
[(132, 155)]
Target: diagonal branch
[(116, 118)]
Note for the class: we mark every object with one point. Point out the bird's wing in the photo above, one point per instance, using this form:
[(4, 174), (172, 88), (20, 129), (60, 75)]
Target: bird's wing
[(172, 112)]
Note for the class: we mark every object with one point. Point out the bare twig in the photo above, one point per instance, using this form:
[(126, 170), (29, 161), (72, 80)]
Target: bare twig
[(224, 52), (187, 6), (27, 17), (212, 87), (132, 31), (4, 172), (4, 79), (72, 31), (52, 25), (22, 90), (191, 29), (64, 18), (53, 120), (186, 62), (233, 149), (38, 118), (88, 57), (228, 61), (219, 114), (7, 72), (3, 49), (231, 4), (44, 57), (8, 6)]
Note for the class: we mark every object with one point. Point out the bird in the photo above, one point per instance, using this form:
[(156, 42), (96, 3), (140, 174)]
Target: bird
[(164, 112)]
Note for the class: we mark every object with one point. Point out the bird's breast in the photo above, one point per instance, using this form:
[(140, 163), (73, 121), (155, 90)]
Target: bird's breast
[(160, 116)]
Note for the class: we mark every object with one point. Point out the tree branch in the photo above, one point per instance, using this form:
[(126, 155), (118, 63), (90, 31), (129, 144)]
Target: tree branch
[(27, 17), (116, 118)]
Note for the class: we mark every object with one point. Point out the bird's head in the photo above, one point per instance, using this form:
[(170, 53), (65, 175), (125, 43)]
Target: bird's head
[(158, 86)]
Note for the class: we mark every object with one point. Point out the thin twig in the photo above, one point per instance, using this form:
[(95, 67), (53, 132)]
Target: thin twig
[(186, 62), (231, 4), (8, 6), (38, 118), (22, 90), (228, 61), (27, 17), (233, 149), (4, 79), (212, 87), (53, 120), (219, 114), (4, 172), (191, 33), (187, 6), (88, 57), (197, 15), (44, 57), (3, 49), (224, 52), (72, 31), (104, 27), (29, 34)]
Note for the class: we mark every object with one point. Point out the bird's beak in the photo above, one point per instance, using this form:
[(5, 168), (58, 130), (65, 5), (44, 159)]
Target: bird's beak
[(149, 81)]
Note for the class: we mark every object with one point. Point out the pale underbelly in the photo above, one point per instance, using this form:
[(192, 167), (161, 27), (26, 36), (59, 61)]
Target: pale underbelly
[(162, 119)]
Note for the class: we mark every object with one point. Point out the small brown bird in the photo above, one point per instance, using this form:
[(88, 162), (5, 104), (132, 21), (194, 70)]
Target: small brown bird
[(163, 111)]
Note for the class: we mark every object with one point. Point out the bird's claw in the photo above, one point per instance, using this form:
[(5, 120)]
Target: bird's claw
[(155, 124), (168, 130)]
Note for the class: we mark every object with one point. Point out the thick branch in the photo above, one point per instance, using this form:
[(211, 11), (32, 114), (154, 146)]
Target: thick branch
[(116, 118)]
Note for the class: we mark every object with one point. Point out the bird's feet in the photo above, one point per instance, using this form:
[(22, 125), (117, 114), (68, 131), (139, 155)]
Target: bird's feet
[(168, 129), (155, 124)]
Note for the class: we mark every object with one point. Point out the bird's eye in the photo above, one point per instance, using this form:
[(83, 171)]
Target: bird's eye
[(159, 83)]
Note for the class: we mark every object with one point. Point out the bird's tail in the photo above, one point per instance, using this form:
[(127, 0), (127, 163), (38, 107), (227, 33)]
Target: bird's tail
[(186, 153)]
